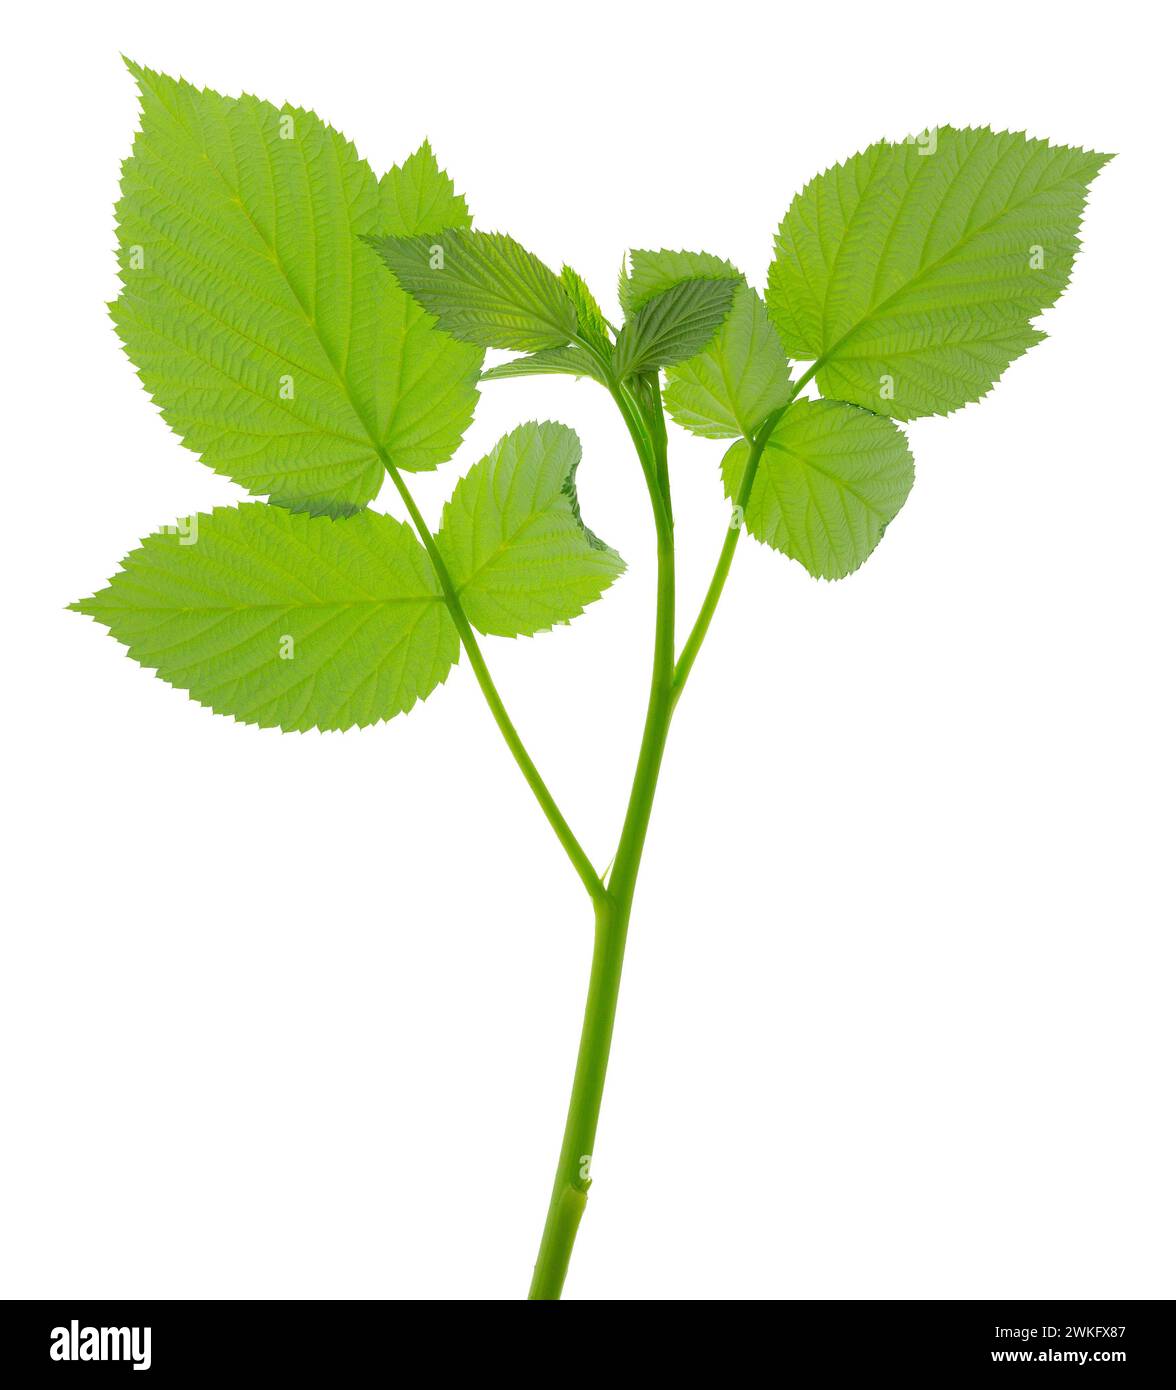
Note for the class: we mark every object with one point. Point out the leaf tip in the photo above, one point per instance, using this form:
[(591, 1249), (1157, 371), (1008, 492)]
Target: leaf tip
[(87, 607)]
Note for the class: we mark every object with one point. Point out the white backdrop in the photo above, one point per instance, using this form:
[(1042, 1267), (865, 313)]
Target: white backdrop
[(296, 1015)]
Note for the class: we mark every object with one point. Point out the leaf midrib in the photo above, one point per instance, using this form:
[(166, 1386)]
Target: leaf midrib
[(91, 607)]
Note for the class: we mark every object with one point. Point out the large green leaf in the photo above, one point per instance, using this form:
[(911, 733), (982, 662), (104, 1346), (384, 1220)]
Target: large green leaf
[(734, 383), (512, 538), (672, 326), (280, 618), (650, 273), (270, 338), (482, 287), (911, 272), (830, 480)]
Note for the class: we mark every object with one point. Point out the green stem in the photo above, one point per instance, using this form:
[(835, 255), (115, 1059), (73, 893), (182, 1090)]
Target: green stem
[(580, 861), (572, 1175), (715, 590), (569, 1194), (650, 451), (734, 528), (572, 1178)]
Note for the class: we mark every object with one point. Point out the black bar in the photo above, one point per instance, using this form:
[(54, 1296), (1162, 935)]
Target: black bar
[(201, 1342)]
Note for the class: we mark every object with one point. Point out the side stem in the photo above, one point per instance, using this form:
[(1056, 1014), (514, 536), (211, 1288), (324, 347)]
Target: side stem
[(715, 590), (575, 852)]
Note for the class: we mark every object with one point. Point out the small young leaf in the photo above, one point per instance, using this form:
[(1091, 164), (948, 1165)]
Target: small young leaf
[(280, 618), (483, 288), (654, 272), (736, 382), (672, 326), (911, 272), (829, 482), (512, 538), (588, 313), (273, 342), (566, 361)]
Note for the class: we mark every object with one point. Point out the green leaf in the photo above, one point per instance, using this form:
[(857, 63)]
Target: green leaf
[(654, 272), (831, 479), (736, 382), (512, 538), (417, 198), (672, 326), (591, 320), (911, 272), (271, 339), (281, 618), (483, 288), (566, 361)]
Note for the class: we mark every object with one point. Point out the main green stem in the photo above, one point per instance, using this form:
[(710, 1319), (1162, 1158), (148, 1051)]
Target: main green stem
[(640, 406), (569, 1192)]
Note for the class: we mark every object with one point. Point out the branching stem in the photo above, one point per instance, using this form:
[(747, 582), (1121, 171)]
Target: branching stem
[(573, 1171), (640, 406), (642, 413)]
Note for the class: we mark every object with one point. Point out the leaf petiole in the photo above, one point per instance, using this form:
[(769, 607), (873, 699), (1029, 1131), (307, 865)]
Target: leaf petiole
[(734, 528), (563, 831)]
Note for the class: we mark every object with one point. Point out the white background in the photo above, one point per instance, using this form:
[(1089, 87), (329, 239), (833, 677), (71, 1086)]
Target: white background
[(296, 1015)]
